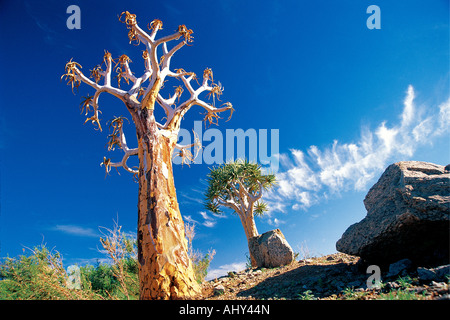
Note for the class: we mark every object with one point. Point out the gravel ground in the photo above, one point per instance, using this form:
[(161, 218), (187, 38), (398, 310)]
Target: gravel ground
[(331, 277)]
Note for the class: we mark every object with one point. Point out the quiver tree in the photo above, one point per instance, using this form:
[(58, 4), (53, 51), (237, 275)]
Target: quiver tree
[(165, 271), (238, 185)]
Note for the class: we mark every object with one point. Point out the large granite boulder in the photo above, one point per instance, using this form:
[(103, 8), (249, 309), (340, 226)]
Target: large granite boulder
[(407, 217), (271, 250)]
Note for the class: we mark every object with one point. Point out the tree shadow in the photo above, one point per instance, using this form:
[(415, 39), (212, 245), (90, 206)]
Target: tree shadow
[(320, 280)]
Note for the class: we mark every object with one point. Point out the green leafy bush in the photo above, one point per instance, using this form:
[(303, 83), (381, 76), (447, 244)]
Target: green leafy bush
[(41, 274)]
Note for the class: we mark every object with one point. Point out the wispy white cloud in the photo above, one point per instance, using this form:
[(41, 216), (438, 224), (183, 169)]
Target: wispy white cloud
[(76, 230), (308, 177), (275, 222), (208, 221), (224, 269), (188, 218), (52, 28), (205, 215), (191, 198), (194, 195)]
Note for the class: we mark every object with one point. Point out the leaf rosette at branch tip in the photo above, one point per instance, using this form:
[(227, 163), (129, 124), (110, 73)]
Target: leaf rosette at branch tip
[(155, 25), (208, 74), (107, 57), (86, 103), (260, 208), (230, 107), (120, 76), (178, 92), (114, 137), (70, 75), (124, 59), (114, 141), (216, 92), (130, 21), (95, 121), (107, 163), (96, 73), (210, 117), (117, 123), (185, 154), (186, 33), (145, 54)]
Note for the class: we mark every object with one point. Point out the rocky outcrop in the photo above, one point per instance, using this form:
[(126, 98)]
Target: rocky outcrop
[(271, 249), (434, 274), (407, 217)]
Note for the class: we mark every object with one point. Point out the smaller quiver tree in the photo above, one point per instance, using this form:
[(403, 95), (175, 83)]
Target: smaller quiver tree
[(238, 185)]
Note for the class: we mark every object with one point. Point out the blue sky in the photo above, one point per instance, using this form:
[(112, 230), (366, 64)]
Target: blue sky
[(347, 101)]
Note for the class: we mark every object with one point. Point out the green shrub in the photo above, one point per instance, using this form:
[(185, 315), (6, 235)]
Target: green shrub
[(41, 274)]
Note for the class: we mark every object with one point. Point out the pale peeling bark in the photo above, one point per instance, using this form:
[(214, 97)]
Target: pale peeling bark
[(249, 225), (165, 270), (248, 222)]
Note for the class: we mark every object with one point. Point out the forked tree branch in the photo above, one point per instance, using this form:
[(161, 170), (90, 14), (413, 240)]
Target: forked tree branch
[(149, 84), (184, 150), (117, 138)]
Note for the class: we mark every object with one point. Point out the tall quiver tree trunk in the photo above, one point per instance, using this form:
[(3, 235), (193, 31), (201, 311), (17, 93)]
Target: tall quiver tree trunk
[(165, 270)]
